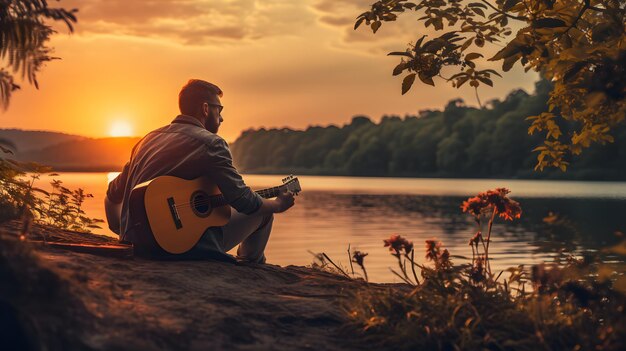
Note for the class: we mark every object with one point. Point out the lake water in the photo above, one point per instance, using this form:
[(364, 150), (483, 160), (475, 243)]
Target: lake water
[(334, 212)]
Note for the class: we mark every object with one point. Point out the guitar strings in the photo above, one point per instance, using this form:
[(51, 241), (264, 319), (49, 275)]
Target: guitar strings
[(215, 198), (206, 201), (266, 192)]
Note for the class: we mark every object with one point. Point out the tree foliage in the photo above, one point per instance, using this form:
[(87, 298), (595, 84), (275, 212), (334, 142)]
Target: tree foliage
[(24, 35), (458, 141), (577, 44)]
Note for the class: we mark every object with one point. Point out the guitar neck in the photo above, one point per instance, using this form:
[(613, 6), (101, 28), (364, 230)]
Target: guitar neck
[(271, 192)]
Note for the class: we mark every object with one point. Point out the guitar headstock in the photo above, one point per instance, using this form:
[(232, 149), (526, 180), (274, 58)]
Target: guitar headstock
[(292, 184)]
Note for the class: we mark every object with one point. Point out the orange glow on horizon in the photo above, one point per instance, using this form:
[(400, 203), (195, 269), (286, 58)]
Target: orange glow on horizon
[(121, 128)]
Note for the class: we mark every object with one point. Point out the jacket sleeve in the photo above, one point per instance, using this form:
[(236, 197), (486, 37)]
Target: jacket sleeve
[(115, 192), (231, 184)]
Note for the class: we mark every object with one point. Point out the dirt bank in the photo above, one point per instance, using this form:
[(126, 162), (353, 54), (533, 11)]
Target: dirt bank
[(61, 299)]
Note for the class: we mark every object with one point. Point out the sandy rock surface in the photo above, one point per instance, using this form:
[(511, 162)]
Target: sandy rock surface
[(138, 304)]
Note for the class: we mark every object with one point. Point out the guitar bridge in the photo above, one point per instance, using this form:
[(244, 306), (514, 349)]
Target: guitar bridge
[(174, 212)]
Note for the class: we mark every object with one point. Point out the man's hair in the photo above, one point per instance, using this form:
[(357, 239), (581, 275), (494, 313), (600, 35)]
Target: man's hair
[(194, 93)]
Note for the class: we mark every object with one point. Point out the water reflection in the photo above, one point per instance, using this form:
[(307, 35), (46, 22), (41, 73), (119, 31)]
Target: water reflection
[(328, 221), (333, 212)]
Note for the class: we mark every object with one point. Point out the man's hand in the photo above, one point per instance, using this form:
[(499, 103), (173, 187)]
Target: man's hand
[(284, 201), (281, 203)]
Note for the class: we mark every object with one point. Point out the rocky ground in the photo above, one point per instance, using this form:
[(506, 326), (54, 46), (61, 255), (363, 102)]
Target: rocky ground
[(54, 298)]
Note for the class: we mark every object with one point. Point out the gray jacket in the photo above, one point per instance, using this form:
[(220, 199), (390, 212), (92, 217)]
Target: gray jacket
[(187, 150)]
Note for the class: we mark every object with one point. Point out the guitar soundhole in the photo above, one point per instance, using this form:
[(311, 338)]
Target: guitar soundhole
[(201, 203)]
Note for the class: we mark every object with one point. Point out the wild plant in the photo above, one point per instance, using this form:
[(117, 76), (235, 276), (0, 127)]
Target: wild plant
[(20, 198), (574, 303)]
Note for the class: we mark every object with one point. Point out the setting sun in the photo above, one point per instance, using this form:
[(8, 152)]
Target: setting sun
[(121, 129)]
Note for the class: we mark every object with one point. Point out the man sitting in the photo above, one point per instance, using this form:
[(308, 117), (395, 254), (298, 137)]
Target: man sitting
[(189, 148)]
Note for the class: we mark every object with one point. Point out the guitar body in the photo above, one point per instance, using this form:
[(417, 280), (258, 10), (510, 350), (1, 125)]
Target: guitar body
[(169, 214), (176, 212)]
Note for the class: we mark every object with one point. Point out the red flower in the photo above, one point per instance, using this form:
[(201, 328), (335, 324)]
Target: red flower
[(440, 257), (357, 257), (490, 199), (474, 205), (397, 243), (432, 249)]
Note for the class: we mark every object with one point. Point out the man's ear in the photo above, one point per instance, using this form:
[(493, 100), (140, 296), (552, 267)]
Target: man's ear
[(205, 108)]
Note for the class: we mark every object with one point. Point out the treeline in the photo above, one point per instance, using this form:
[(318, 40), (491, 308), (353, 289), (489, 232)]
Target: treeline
[(459, 141)]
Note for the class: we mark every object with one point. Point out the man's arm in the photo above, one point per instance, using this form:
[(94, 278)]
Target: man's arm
[(220, 168)]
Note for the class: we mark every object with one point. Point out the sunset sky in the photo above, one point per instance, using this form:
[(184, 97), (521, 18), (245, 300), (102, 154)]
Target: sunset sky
[(280, 63)]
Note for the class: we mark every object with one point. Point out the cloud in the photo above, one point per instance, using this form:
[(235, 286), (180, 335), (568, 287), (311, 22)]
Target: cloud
[(340, 15), (193, 22)]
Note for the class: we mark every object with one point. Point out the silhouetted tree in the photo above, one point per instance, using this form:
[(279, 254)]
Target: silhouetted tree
[(577, 44), (459, 141), (24, 35)]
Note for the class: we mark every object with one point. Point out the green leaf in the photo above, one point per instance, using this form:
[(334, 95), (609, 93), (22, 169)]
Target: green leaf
[(511, 49), (548, 22), (461, 81), (433, 46), (41, 191), (467, 44), (400, 53), (491, 71), (477, 4), (438, 23), (426, 79), (508, 4), (478, 11), (418, 43), (399, 68), (602, 31), (572, 70), (358, 22), (407, 82), (472, 56), (460, 74), (509, 62), (485, 80), (375, 25)]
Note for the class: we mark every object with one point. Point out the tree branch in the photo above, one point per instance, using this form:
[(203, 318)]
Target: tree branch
[(519, 18), (585, 7)]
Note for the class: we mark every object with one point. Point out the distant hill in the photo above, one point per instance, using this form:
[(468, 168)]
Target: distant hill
[(106, 154), (67, 152), (26, 140)]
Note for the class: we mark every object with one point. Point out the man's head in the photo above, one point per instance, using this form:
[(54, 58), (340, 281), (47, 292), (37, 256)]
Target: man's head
[(201, 100)]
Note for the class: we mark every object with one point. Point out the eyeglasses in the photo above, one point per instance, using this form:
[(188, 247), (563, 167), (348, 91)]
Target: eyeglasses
[(218, 106)]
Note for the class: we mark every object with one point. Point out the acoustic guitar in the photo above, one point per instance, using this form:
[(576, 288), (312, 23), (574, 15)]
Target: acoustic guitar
[(176, 212)]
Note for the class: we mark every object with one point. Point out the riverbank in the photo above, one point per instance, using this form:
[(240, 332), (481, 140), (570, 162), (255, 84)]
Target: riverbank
[(61, 299), (598, 175)]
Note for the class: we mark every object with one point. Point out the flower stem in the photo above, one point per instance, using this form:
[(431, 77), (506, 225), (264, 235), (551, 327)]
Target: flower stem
[(401, 277), (333, 263), (350, 260), (402, 268), (493, 216), (413, 266)]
